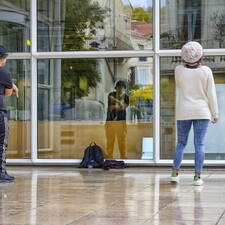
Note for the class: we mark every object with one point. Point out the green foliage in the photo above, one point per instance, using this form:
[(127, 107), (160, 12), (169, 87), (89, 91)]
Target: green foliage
[(142, 15), (82, 18), (79, 76)]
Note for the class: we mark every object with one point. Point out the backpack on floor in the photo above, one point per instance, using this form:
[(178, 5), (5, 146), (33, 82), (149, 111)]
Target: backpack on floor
[(114, 164), (93, 157)]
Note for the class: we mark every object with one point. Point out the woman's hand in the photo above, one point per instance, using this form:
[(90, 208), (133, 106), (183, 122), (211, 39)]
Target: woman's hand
[(215, 120)]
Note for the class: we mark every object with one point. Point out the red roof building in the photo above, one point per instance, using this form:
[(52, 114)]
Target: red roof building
[(141, 30)]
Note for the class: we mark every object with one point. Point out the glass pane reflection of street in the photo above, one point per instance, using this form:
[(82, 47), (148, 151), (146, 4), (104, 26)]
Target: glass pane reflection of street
[(108, 101), (97, 25)]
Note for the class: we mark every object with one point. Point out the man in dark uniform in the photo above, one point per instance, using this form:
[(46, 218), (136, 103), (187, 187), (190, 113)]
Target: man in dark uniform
[(7, 88), (115, 126)]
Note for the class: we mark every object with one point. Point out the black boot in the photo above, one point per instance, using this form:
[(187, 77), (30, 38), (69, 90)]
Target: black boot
[(9, 177), (4, 177)]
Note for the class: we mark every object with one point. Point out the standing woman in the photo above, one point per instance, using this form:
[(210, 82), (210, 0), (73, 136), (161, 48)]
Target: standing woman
[(196, 105)]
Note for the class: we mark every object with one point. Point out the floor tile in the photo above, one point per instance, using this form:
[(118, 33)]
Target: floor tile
[(139, 196)]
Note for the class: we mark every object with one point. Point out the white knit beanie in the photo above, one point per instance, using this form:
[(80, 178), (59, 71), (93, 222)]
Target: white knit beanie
[(191, 52)]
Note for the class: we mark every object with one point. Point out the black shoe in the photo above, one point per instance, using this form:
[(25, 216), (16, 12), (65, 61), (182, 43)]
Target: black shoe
[(4, 177), (10, 177)]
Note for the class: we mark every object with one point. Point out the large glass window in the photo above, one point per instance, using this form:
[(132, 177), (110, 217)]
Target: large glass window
[(68, 25), (167, 106), (108, 101), (19, 145), (187, 20), (214, 143), (15, 25)]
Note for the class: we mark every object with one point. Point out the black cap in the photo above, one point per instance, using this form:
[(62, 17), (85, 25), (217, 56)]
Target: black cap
[(3, 51)]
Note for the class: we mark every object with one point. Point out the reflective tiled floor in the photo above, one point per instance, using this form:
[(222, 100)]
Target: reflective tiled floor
[(133, 196)]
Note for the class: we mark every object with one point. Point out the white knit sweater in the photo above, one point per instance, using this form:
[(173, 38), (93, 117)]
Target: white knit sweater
[(196, 93)]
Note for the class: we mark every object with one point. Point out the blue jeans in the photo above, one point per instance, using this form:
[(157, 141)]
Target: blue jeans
[(183, 128)]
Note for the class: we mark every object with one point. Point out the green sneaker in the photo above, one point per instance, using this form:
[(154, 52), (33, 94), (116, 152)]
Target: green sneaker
[(174, 178), (198, 181)]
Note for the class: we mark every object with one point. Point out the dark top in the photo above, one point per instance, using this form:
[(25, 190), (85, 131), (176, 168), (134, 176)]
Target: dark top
[(5, 83), (191, 67), (113, 100)]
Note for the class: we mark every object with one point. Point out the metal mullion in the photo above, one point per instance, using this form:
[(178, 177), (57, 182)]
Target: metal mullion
[(33, 13), (77, 161), (94, 54), (19, 56), (156, 49), (156, 26), (33, 31), (214, 52), (34, 109), (156, 124), (169, 53), (69, 162), (207, 163), (167, 162), (19, 161), (207, 52)]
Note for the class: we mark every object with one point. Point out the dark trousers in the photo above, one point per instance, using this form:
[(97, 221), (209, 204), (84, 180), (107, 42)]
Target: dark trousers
[(3, 140)]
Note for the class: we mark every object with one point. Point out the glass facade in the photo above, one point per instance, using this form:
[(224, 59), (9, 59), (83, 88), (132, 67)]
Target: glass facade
[(68, 57), (214, 144), (74, 107), (15, 25), (186, 20), (96, 25), (19, 145)]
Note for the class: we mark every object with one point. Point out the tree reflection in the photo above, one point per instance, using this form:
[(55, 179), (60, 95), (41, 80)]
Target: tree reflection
[(82, 19)]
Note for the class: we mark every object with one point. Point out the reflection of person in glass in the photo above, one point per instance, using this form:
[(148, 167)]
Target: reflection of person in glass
[(196, 105), (115, 126), (7, 88)]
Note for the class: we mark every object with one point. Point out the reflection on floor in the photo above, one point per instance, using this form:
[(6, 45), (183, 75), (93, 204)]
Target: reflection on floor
[(133, 196)]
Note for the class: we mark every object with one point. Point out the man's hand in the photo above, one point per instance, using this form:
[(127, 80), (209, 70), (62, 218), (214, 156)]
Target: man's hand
[(15, 90)]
